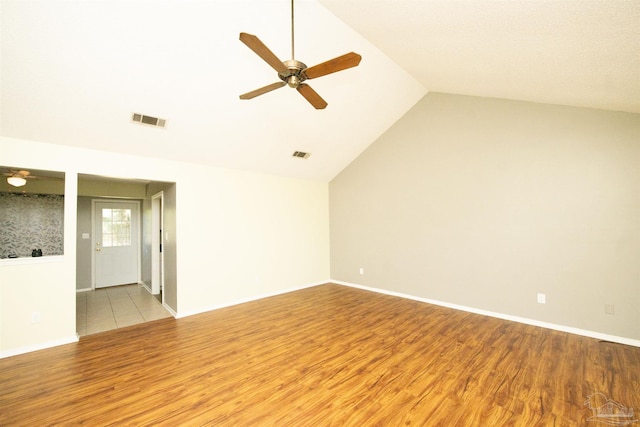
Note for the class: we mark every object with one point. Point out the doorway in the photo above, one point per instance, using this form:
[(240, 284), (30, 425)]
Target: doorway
[(116, 237), (93, 189)]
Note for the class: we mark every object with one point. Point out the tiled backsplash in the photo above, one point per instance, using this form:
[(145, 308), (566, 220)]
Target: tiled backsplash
[(31, 221)]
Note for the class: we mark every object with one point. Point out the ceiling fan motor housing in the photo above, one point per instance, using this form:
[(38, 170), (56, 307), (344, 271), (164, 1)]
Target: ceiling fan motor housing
[(294, 74)]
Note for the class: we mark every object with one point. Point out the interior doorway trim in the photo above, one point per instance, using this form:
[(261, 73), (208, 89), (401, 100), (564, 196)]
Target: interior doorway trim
[(157, 254)]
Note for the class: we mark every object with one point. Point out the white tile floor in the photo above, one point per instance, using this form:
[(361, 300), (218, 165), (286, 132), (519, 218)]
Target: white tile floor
[(110, 308)]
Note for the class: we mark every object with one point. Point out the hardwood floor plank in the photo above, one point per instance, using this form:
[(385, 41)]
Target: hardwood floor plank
[(323, 356)]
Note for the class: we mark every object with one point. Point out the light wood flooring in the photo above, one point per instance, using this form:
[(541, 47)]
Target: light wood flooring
[(323, 356), (105, 309)]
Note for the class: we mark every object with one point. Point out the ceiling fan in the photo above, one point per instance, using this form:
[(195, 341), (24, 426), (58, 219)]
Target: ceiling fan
[(293, 72), (19, 178)]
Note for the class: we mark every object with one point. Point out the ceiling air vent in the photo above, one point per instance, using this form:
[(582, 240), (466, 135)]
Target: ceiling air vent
[(301, 154), (148, 120)]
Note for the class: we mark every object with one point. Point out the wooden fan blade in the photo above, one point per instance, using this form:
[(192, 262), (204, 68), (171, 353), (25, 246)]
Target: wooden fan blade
[(312, 96), (20, 174), (263, 52), (262, 90), (340, 63)]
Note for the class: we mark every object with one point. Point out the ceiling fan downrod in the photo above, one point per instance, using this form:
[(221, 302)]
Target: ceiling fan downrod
[(292, 33)]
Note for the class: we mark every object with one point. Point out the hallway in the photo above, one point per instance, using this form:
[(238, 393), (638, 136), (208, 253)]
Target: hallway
[(116, 307)]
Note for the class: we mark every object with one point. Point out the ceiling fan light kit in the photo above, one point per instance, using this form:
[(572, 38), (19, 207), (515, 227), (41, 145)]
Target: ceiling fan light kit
[(293, 73), (18, 178), (16, 181)]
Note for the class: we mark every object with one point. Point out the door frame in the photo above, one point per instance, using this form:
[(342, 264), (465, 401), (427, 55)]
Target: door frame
[(93, 236), (157, 256)]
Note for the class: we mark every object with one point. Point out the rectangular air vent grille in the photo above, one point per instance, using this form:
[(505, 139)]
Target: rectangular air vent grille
[(301, 154), (148, 120)]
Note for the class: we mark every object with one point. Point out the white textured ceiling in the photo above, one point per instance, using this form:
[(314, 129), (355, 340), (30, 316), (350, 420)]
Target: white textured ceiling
[(73, 71), (570, 52)]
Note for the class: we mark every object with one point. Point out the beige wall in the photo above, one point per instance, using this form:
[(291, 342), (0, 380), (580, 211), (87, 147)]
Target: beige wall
[(83, 246), (251, 234), (484, 203), (110, 188), (236, 236), (169, 204), (172, 281)]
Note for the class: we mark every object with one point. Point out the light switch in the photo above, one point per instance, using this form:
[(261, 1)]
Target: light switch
[(86, 236)]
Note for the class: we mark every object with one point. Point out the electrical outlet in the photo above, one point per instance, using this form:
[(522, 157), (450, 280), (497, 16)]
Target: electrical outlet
[(542, 299), (609, 309), (35, 317), (361, 270)]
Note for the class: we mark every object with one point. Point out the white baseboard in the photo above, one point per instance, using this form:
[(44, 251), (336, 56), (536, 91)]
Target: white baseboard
[(243, 300), (39, 346), (144, 285), (562, 328), (553, 326), (170, 310), (83, 290)]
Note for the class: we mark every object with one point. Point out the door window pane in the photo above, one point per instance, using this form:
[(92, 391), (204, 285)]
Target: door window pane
[(116, 227)]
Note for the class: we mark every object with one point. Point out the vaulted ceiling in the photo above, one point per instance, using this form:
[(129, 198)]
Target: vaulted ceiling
[(73, 71)]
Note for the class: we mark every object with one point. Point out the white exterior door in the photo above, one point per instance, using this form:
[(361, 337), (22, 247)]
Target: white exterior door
[(116, 243)]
